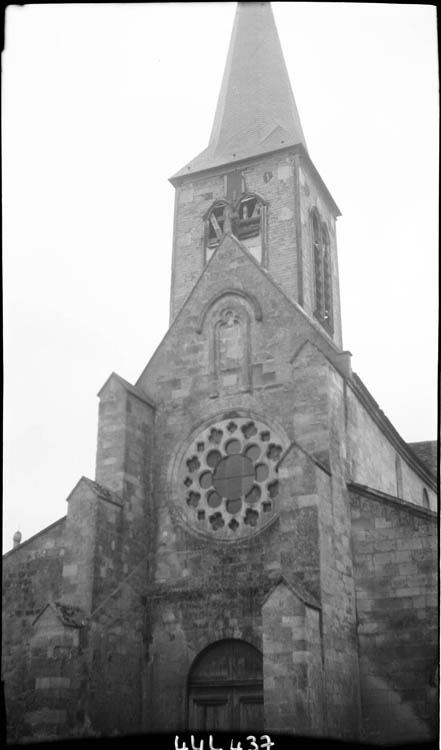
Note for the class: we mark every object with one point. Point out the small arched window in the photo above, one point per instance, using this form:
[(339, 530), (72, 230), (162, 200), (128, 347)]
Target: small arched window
[(426, 503), (322, 273)]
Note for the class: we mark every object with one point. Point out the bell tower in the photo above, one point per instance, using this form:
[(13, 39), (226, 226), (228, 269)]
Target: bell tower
[(256, 181)]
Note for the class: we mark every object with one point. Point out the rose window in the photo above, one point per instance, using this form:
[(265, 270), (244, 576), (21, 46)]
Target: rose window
[(228, 478)]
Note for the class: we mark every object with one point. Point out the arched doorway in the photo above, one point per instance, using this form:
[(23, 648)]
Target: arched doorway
[(225, 688)]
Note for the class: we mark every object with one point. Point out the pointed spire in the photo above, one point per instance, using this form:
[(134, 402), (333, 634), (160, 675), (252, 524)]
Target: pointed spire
[(256, 111)]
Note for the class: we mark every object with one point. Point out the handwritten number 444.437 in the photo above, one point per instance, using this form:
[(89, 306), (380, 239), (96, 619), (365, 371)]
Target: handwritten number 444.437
[(265, 744)]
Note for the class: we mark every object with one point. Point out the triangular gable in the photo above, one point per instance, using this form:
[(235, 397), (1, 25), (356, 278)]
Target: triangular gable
[(322, 463), (231, 269), (68, 615), (103, 493), (296, 588), (219, 268), (340, 361), (114, 378)]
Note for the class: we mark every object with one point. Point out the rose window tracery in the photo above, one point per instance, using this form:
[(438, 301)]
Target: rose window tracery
[(228, 479)]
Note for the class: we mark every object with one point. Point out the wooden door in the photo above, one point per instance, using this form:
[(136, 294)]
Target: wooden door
[(226, 689), (210, 710)]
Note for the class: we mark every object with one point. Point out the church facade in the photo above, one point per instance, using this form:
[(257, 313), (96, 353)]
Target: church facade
[(258, 549)]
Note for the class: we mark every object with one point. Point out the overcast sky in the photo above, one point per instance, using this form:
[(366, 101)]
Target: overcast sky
[(101, 104)]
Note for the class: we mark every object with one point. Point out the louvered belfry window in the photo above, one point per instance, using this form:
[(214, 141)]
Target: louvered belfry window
[(244, 218), (322, 273), (248, 218), (215, 224)]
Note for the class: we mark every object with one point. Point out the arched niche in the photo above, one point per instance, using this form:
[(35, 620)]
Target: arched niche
[(252, 301), (227, 320)]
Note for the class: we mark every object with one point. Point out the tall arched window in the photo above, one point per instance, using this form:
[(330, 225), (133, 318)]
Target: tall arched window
[(399, 477), (322, 272)]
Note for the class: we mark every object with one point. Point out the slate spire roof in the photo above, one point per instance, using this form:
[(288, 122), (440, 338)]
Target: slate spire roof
[(256, 111)]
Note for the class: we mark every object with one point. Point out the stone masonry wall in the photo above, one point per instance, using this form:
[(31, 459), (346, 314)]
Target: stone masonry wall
[(107, 573), (55, 673), (117, 658), (293, 670), (311, 195), (272, 177), (124, 453), (372, 457), (204, 592), (32, 575), (395, 555), (337, 580), (179, 374), (319, 422), (211, 583)]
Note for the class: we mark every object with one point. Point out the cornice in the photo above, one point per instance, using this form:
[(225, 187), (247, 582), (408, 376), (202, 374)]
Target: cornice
[(397, 502)]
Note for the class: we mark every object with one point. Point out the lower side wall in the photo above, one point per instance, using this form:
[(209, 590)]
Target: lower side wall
[(32, 575), (117, 656), (395, 558)]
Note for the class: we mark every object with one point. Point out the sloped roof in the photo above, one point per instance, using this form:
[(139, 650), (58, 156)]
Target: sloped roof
[(100, 491), (69, 615), (103, 492), (407, 451), (256, 111), (296, 587), (128, 387), (427, 453)]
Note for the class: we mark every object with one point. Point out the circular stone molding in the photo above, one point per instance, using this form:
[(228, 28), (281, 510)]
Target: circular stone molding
[(227, 479)]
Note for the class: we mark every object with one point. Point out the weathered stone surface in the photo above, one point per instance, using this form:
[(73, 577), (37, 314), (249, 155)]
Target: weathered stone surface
[(396, 614), (302, 553)]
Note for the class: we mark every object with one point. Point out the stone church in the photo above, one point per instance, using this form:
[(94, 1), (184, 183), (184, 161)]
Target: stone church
[(258, 549)]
